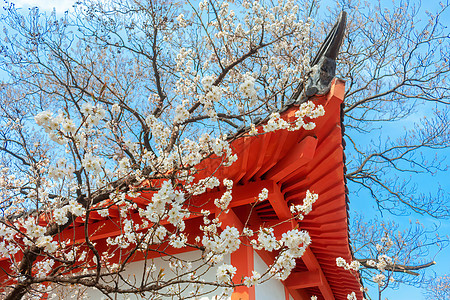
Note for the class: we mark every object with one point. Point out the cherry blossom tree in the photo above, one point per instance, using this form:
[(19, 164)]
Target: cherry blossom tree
[(387, 256)]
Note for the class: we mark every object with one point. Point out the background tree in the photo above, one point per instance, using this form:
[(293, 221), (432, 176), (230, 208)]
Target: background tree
[(439, 288), (396, 120), (396, 68), (390, 256)]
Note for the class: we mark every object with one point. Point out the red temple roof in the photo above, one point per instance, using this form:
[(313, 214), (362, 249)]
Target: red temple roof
[(287, 163)]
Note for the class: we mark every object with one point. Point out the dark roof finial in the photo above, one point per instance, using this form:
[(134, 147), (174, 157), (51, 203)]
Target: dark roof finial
[(323, 66), (330, 47)]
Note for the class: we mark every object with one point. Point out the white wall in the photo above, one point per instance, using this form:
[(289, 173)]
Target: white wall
[(270, 290), (133, 274)]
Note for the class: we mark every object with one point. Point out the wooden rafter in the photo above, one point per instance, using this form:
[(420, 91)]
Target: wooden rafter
[(280, 206), (299, 155), (313, 265)]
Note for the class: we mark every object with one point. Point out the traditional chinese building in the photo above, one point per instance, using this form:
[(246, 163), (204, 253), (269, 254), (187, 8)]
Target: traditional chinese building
[(287, 164)]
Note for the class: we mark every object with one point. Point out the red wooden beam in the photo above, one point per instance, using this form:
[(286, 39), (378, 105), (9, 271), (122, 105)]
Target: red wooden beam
[(313, 265), (302, 280), (337, 91), (262, 142), (308, 257), (109, 227), (242, 194), (299, 155), (296, 294), (276, 199), (243, 159), (274, 156), (229, 218)]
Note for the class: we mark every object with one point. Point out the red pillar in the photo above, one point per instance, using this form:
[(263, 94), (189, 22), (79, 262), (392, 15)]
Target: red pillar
[(242, 259)]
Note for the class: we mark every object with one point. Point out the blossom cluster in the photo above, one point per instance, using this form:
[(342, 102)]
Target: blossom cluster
[(295, 243), (306, 110), (252, 280), (218, 245), (60, 126), (247, 88), (44, 267), (160, 133), (263, 195), (60, 215), (7, 236), (166, 197), (226, 198), (301, 210), (61, 169), (92, 163), (225, 273), (354, 265), (292, 245), (213, 94)]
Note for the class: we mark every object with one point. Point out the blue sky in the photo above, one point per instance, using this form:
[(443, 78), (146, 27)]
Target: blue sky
[(59, 5)]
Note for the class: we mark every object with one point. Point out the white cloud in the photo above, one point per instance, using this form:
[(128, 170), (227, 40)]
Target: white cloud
[(45, 5)]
